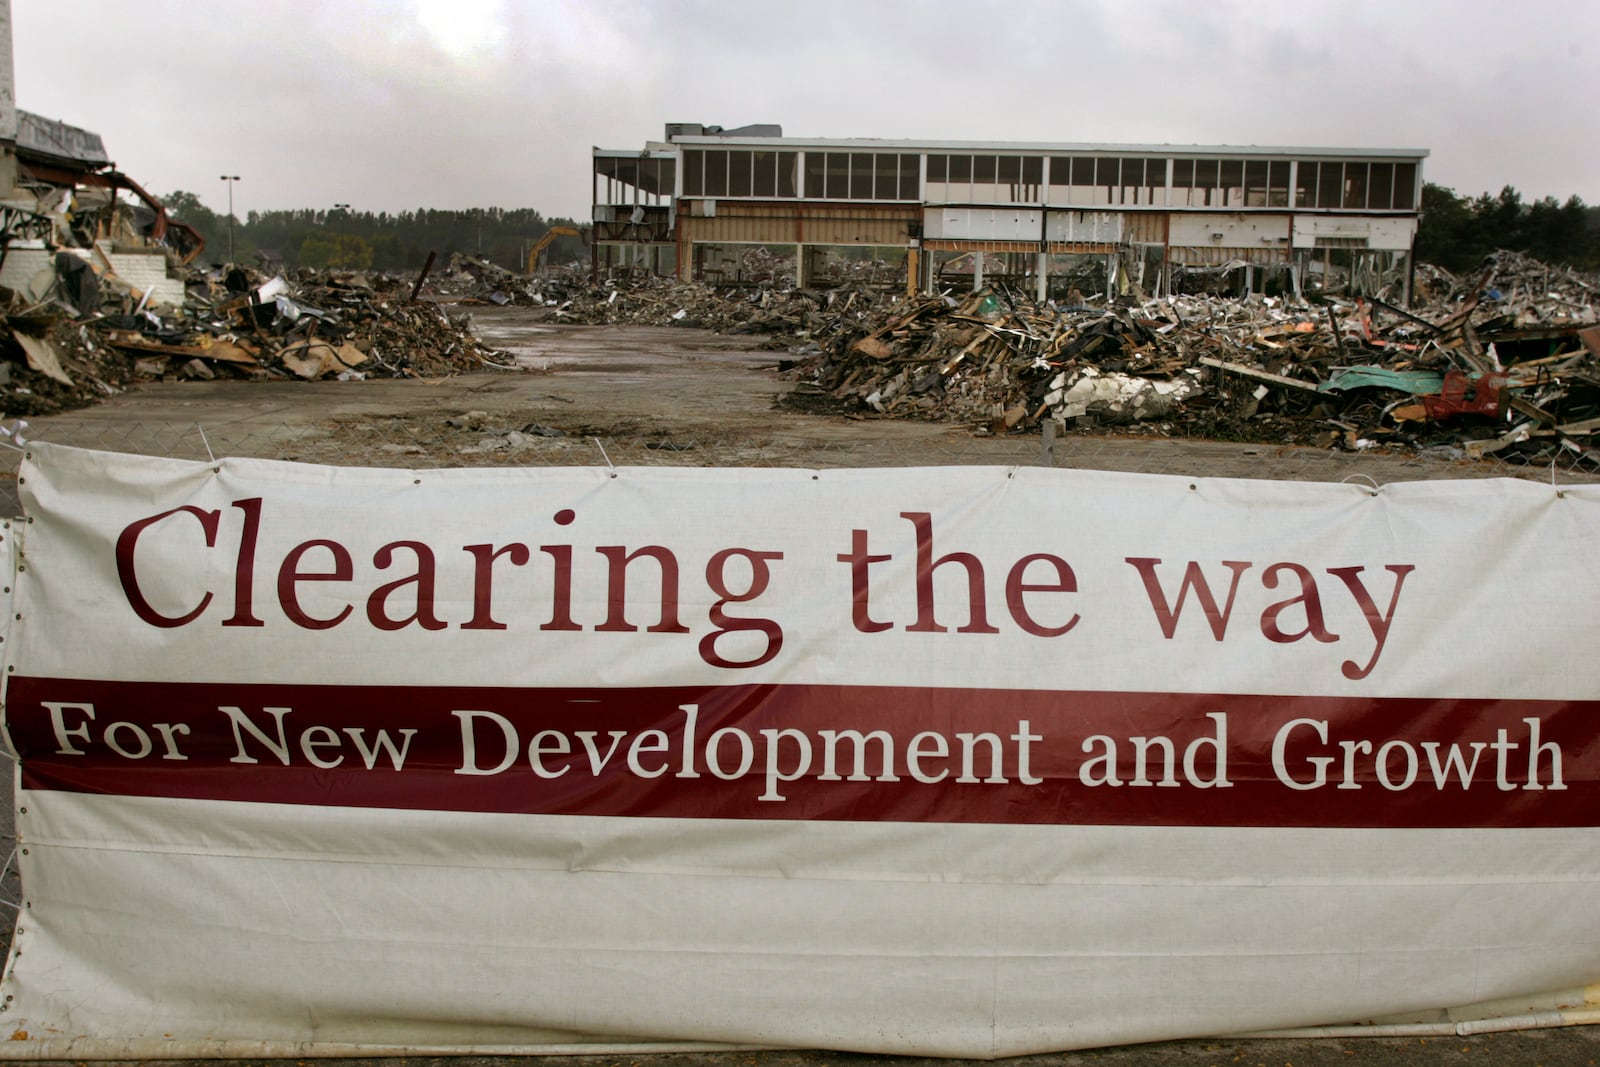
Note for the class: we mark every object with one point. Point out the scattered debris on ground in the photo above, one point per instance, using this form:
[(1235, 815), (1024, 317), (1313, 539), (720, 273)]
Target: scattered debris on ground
[(784, 314), (68, 352), (1500, 361), (1503, 362)]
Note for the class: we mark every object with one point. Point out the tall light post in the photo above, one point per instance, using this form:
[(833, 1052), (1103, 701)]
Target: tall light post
[(230, 179), (344, 213)]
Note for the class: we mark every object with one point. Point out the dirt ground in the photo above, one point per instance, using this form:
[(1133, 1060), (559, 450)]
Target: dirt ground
[(589, 395)]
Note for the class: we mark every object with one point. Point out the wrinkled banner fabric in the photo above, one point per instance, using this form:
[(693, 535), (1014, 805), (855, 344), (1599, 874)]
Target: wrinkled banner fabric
[(972, 761)]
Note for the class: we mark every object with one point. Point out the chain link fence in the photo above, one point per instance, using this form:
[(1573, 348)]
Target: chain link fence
[(427, 441)]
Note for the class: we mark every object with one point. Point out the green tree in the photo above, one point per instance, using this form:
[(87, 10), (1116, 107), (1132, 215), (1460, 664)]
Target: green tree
[(398, 242), (1447, 235), (1457, 233), (317, 251), (330, 251), (351, 252), (212, 227)]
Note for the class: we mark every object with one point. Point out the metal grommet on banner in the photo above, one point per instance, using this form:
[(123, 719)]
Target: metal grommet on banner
[(1376, 488)]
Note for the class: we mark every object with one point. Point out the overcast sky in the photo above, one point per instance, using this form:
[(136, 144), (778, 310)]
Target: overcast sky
[(395, 104)]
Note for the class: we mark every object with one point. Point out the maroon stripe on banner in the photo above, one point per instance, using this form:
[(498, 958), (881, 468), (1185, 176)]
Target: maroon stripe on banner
[(852, 753)]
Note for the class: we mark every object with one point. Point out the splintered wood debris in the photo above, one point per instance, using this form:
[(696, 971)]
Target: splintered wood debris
[(1504, 361), (240, 324)]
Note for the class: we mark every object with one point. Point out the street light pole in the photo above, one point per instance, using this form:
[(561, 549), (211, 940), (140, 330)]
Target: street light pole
[(344, 213), (230, 179)]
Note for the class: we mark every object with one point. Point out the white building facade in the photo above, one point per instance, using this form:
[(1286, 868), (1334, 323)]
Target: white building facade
[(690, 203)]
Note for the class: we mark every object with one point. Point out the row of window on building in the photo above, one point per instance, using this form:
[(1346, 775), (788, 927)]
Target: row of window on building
[(1076, 180)]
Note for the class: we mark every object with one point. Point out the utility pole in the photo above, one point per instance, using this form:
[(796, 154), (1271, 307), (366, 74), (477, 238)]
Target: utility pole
[(230, 179), (344, 214)]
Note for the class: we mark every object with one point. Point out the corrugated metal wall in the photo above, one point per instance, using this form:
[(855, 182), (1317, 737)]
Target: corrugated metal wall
[(1144, 227), (747, 222), (820, 224)]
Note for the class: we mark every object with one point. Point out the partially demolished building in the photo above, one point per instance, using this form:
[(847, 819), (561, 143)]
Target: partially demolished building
[(958, 210), (66, 227)]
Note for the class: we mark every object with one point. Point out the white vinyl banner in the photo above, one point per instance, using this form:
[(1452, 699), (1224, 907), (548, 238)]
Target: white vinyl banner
[(951, 761)]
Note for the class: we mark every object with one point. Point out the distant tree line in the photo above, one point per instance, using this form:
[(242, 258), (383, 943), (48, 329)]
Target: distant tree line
[(364, 240), (1457, 232)]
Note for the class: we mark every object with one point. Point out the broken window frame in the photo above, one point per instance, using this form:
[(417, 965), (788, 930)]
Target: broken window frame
[(1203, 187), (1257, 178), (760, 174), (1405, 186), (741, 173), (716, 172), (859, 175), (1079, 180), (1330, 183), (646, 180), (1230, 183), (693, 172), (1356, 185), (981, 178), (1278, 183), (764, 173), (1353, 192)]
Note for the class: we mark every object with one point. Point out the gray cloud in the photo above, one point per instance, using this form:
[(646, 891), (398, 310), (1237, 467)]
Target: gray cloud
[(458, 103)]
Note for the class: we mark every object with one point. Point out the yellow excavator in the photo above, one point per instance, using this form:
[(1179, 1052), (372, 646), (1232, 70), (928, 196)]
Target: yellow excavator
[(544, 242)]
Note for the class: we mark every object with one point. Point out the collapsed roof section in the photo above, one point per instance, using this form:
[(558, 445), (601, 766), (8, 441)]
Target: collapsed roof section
[(53, 141), (67, 236)]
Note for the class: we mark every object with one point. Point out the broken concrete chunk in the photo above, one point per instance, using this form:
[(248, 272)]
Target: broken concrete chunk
[(43, 356)]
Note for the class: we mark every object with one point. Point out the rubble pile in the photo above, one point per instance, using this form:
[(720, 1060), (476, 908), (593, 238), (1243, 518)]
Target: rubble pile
[(233, 324), (656, 301), (1504, 363), (474, 280), (762, 266), (1502, 360), (1511, 291)]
